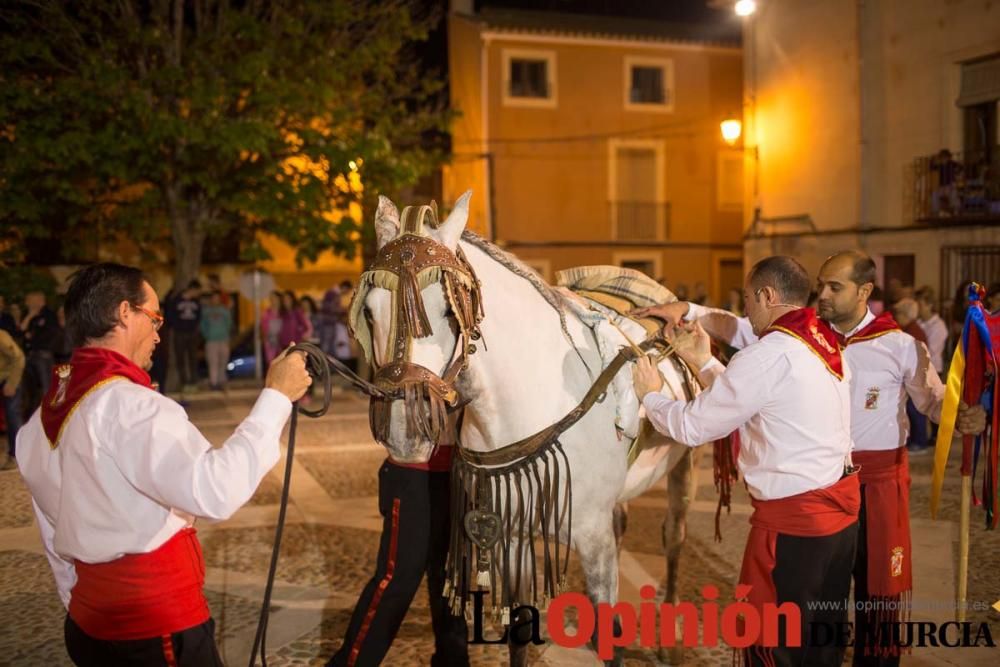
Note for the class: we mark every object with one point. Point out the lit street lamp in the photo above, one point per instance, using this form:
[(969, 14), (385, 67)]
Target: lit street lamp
[(731, 130)]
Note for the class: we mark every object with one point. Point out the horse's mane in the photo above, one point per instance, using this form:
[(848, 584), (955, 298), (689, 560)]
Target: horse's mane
[(556, 300), (517, 267)]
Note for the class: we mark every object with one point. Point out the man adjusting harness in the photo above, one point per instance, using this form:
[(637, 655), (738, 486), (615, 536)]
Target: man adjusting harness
[(887, 366), (789, 396)]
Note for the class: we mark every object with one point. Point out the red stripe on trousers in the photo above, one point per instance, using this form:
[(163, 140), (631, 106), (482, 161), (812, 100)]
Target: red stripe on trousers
[(168, 651), (382, 585)]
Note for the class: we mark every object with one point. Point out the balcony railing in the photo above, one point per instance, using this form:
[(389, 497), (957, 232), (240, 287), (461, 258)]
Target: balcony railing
[(639, 221), (956, 187)]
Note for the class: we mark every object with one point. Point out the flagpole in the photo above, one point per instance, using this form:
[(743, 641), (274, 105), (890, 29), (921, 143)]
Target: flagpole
[(963, 546)]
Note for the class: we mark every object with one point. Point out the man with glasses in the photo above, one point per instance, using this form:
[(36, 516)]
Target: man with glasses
[(118, 474)]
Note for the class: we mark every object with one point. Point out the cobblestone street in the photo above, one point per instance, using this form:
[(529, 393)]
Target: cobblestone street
[(331, 539)]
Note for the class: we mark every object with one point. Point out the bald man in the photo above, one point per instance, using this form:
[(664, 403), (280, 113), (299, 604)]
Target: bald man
[(887, 367)]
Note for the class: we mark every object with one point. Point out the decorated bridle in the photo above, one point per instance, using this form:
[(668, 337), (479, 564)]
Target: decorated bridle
[(406, 266)]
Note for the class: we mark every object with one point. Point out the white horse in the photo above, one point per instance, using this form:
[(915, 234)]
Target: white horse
[(534, 364)]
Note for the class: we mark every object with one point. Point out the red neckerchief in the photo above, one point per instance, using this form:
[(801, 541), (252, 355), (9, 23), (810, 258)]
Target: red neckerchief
[(803, 325), (88, 369), (880, 326)]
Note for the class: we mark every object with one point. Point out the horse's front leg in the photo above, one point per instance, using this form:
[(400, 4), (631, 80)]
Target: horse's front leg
[(681, 489)]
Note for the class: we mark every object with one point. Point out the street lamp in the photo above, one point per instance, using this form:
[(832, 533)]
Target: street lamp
[(731, 130), (745, 7)]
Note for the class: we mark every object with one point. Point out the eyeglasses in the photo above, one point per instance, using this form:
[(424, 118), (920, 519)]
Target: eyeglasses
[(155, 318)]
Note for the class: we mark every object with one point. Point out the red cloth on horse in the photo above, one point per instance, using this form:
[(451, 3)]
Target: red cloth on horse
[(816, 334), (811, 514), (140, 596), (88, 369), (886, 477)]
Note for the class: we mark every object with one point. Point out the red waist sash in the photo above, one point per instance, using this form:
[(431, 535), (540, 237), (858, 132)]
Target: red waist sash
[(812, 514), (140, 596), (886, 478)]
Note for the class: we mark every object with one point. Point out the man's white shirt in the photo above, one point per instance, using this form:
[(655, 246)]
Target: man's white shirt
[(885, 370), (793, 415), (130, 471)]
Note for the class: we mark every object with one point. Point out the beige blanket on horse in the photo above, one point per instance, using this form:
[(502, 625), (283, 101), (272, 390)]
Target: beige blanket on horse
[(603, 296)]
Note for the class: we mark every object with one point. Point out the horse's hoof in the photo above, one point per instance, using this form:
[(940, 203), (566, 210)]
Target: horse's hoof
[(670, 655)]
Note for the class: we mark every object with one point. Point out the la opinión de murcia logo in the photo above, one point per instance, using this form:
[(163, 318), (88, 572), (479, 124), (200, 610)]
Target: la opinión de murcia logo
[(738, 624)]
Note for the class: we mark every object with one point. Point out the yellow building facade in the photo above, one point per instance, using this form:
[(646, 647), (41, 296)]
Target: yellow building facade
[(595, 140), (848, 108)]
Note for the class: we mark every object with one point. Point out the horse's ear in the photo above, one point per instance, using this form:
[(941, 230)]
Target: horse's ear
[(386, 221), (450, 231)]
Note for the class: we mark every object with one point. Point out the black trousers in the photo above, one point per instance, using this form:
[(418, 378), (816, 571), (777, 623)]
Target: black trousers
[(809, 570), (865, 621), (415, 528), (194, 647)]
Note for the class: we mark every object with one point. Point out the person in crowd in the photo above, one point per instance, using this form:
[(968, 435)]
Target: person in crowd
[(700, 296), (906, 312), (270, 327), (876, 303), (216, 329), (992, 299), (40, 328), (934, 328), (330, 314), (344, 347), (215, 285), (734, 302), (118, 474), (295, 326), (63, 346), (311, 311), (11, 372), (789, 394), (185, 324), (887, 367)]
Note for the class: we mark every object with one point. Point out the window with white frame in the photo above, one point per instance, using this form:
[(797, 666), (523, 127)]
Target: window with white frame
[(529, 78), (649, 84)]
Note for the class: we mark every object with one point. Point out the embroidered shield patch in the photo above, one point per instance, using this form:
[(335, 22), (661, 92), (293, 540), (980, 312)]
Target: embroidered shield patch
[(896, 568), (871, 398), (62, 372)]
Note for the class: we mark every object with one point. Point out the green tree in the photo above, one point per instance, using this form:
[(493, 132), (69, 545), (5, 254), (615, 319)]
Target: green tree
[(191, 119)]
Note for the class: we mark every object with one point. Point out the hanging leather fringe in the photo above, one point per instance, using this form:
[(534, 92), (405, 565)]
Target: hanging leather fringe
[(724, 455), (411, 305), (530, 498)]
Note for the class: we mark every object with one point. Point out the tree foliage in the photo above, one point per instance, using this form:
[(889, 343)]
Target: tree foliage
[(191, 119)]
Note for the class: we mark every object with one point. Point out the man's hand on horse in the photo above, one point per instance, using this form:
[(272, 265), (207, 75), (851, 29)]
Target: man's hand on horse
[(646, 377), (971, 420), (670, 313), (691, 343)]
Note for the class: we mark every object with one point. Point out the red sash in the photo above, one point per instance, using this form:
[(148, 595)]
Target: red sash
[(880, 326), (886, 478), (141, 596), (817, 335), (811, 514), (88, 369)]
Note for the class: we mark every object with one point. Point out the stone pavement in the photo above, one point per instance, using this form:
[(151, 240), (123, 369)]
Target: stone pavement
[(331, 539)]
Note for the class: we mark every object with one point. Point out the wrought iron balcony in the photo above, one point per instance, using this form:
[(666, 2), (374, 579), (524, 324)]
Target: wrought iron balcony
[(955, 187)]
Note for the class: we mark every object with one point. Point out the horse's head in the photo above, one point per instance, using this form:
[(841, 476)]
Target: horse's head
[(415, 313)]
